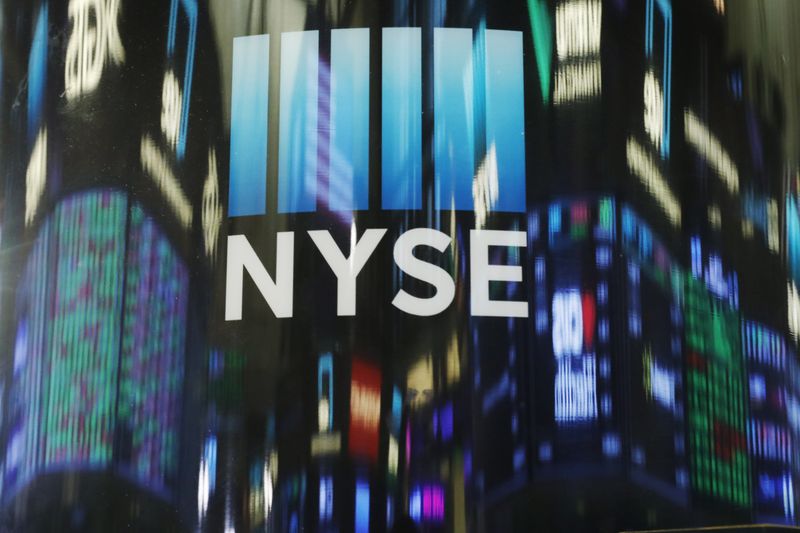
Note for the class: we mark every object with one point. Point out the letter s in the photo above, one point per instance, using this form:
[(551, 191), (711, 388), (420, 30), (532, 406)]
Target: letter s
[(436, 276)]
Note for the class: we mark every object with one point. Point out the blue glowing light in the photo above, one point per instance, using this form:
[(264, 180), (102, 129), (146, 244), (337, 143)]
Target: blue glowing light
[(297, 147), (665, 8), (249, 107), (362, 506), (401, 126), (190, 7), (349, 111)]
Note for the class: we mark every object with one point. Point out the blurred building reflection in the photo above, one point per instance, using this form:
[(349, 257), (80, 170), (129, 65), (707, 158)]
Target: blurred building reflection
[(641, 155), (100, 346), (102, 318)]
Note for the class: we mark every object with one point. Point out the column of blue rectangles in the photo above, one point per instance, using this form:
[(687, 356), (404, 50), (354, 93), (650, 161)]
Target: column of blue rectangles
[(401, 128), (454, 128), (249, 105), (297, 143), (505, 116), (349, 105)]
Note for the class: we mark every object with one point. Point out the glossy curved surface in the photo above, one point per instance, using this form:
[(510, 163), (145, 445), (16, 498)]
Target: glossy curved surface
[(436, 266)]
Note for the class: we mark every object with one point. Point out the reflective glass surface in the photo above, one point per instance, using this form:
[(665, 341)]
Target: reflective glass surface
[(457, 266)]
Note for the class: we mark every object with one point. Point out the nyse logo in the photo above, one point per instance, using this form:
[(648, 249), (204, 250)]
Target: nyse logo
[(93, 43), (278, 292), (324, 134), (324, 128)]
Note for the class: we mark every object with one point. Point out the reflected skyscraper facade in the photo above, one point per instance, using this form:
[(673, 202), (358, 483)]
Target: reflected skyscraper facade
[(105, 322), (283, 266)]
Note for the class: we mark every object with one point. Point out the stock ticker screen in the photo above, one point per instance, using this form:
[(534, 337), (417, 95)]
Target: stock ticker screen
[(655, 343), (574, 404)]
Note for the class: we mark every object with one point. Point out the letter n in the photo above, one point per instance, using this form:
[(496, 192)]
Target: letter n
[(277, 293)]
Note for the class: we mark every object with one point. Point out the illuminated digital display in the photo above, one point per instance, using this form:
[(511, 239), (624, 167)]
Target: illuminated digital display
[(639, 241), (764, 347), (153, 351), (393, 456), (646, 167), (771, 437), (158, 152), (444, 422), (325, 499), (716, 388), (426, 504), (793, 237), (576, 390), (658, 86), (157, 166), (325, 393), (180, 103), (578, 25), (207, 477), (659, 382), (362, 506), (761, 213), (100, 344), (793, 309), (37, 72), (577, 221), (87, 300), (573, 261), (94, 42), (708, 266), (770, 441), (397, 412), (542, 39), (365, 409), (36, 176), (27, 399), (654, 327), (257, 492), (567, 323), (648, 146), (776, 492), (578, 309), (575, 385), (653, 109), (211, 210), (711, 150)]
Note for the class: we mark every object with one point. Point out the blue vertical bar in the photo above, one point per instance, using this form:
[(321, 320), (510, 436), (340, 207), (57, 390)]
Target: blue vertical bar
[(667, 76), (454, 134), (362, 506), (505, 116), (249, 101), (326, 365), (37, 74), (401, 129), (190, 7), (297, 158), (648, 31), (349, 141)]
